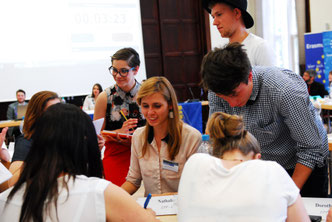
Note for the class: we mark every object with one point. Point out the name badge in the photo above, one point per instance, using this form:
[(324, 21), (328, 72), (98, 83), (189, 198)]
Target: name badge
[(169, 165)]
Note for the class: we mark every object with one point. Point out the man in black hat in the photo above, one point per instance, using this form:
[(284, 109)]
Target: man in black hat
[(232, 21)]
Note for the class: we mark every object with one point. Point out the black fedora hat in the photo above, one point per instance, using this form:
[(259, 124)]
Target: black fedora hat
[(240, 4)]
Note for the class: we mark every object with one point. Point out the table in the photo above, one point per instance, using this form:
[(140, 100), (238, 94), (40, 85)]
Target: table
[(169, 218), (10, 123)]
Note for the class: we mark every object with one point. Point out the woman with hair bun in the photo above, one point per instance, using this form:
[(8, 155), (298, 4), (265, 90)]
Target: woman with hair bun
[(234, 184)]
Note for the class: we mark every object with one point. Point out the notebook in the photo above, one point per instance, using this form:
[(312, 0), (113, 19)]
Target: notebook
[(21, 110)]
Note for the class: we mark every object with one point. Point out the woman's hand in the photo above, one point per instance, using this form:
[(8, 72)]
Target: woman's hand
[(4, 154), (101, 142), (329, 216), (128, 126)]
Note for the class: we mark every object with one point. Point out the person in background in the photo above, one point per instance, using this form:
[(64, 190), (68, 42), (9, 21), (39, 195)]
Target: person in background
[(233, 184), (276, 108), (118, 98), (4, 154), (161, 148), (12, 108), (330, 84), (38, 104), (12, 112), (90, 100), (61, 179), (314, 88)]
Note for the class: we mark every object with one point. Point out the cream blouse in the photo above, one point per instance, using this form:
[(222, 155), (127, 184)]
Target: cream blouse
[(151, 167)]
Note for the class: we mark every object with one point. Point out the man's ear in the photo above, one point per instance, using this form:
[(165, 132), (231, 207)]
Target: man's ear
[(257, 156), (237, 13)]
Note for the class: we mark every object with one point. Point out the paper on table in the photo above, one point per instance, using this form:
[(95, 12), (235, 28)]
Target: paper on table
[(317, 206), (98, 123), (162, 205), (4, 174)]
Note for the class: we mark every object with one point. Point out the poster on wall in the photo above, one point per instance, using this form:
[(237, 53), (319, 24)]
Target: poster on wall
[(327, 43), (314, 55)]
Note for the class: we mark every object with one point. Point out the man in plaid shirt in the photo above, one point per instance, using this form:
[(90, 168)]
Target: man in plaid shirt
[(276, 109)]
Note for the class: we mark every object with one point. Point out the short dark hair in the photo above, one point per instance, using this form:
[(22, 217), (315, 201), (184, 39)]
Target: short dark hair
[(20, 90), (127, 54), (311, 72), (224, 69)]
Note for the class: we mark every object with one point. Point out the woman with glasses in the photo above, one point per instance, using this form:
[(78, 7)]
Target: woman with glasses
[(117, 104)]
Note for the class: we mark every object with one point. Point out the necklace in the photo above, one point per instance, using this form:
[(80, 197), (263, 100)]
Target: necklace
[(234, 160)]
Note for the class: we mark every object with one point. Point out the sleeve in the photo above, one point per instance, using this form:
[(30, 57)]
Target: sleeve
[(134, 174), (305, 126), (288, 188), (99, 204), (323, 91), (187, 186), (11, 112), (194, 140), (21, 149), (265, 56), (86, 103)]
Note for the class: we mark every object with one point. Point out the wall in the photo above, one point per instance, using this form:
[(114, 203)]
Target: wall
[(320, 15)]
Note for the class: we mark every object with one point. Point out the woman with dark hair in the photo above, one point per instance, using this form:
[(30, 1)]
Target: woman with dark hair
[(160, 149), (233, 184), (61, 178), (39, 102), (90, 100), (117, 104)]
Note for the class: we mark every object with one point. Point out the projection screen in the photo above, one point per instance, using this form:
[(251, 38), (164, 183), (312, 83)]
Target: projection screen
[(64, 45)]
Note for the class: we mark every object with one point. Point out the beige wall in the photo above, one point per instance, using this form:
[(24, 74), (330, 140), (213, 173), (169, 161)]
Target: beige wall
[(320, 15)]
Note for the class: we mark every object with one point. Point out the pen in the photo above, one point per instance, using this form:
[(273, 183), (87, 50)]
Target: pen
[(125, 117), (147, 200)]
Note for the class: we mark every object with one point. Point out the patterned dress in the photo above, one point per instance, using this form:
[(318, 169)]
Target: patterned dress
[(117, 156)]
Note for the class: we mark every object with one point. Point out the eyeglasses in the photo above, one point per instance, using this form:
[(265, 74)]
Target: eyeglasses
[(122, 72)]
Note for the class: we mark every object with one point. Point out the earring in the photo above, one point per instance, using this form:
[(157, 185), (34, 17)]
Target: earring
[(171, 114)]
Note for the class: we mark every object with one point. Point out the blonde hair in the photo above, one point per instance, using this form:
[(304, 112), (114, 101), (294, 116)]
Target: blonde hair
[(161, 85), (227, 133)]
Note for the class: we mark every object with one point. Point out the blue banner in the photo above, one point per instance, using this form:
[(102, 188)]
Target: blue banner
[(314, 55), (191, 113), (327, 43)]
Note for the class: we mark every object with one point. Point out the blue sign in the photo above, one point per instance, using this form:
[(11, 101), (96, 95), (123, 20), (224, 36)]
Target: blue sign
[(327, 43), (191, 113), (314, 55)]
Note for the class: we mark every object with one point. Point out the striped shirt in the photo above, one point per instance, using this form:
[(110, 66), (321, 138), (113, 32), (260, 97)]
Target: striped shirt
[(282, 118)]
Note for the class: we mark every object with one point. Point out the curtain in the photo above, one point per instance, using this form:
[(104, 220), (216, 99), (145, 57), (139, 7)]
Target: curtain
[(277, 24)]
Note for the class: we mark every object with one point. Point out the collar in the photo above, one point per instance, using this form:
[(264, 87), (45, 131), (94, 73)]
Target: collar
[(151, 136), (131, 93), (255, 89)]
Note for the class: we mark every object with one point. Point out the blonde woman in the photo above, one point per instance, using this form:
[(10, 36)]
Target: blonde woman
[(233, 184), (161, 148)]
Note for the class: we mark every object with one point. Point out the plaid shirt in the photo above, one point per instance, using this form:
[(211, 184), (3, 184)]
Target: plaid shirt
[(282, 118)]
